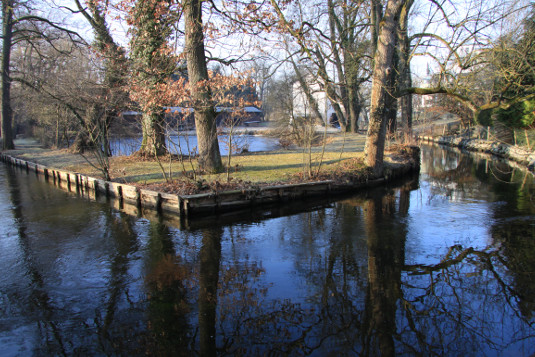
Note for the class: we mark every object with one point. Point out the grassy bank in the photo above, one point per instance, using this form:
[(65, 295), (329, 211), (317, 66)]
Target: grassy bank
[(342, 154)]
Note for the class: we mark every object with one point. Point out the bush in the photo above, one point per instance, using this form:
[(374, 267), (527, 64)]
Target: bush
[(518, 115)]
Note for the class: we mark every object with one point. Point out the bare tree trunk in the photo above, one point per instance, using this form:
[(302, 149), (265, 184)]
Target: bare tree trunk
[(354, 107), (343, 68), (153, 142), (405, 80), (7, 112), (391, 101), (381, 88), (208, 145), (57, 130), (376, 16), (352, 82), (330, 90), (306, 89)]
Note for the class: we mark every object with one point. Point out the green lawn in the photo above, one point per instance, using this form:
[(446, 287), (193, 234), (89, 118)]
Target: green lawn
[(273, 166)]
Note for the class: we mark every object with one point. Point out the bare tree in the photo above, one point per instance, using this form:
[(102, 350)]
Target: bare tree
[(382, 88), (20, 25), (331, 37), (209, 155), (113, 97)]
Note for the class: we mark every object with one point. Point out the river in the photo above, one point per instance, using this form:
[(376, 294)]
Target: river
[(187, 144), (443, 264)]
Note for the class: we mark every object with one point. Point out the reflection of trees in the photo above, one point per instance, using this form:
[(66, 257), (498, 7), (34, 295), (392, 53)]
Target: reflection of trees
[(462, 299), (39, 299), (435, 160), (109, 321), (210, 256), (467, 175), (515, 191), (517, 253), (510, 230), (386, 256), (457, 304), (72, 326), (449, 172), (169, 331), (248, 322), (362, 298), (343, 314), (442, 309)]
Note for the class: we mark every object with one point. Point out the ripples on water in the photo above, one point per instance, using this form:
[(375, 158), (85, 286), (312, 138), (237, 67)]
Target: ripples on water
[(443, 265)]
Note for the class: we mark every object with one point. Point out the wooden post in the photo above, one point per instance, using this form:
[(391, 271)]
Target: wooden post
[(138, 198), (159, 203), (96, 188), (185, 208), (181, 206)]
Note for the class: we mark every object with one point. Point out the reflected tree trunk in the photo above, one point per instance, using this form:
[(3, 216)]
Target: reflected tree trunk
[(39, 297), (386, 256), (210, 257), (121, 230), (405, 196), (168, 306)]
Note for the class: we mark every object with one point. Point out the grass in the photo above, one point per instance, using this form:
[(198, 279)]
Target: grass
[(259, 167), (273, 166), (269, 166)]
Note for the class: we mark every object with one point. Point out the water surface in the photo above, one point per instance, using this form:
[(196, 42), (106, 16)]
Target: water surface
[(187, 144), (440, 265)]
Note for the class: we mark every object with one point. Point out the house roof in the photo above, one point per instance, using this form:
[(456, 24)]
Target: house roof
[(177, 110), (252, 110)]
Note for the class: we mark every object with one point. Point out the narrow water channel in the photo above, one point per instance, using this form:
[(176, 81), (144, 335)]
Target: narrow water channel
[(440, 265)]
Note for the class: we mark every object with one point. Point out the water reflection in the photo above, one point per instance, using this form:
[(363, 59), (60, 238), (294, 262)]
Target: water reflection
[(443, 265), (168, 307)]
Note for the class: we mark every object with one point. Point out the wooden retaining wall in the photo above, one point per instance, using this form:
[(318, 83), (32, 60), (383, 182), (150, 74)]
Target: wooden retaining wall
[(205, 203)]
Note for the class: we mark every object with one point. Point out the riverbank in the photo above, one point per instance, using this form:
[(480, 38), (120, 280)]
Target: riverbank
[(514, 153), (271, 176)]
